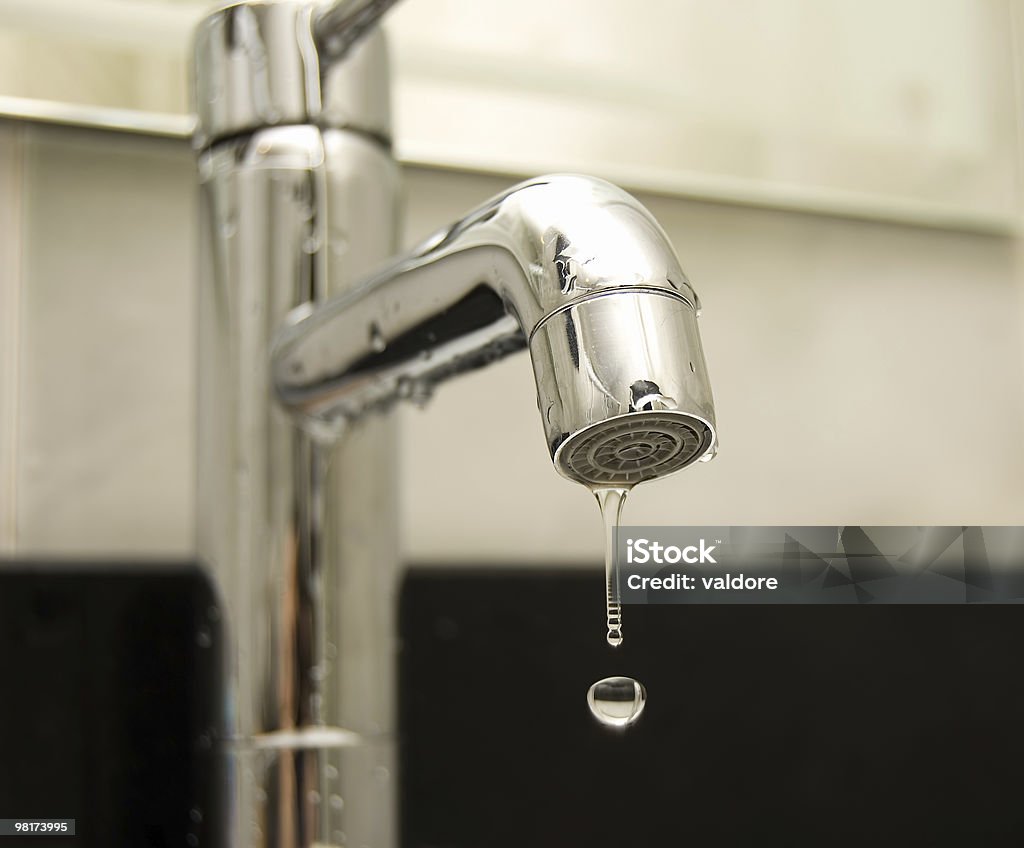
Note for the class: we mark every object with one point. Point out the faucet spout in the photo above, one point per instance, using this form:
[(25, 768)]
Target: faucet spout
[(569, 266), (294, 147)]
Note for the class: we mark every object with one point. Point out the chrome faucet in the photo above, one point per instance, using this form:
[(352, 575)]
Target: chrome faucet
[(300, 340), (570, 267)]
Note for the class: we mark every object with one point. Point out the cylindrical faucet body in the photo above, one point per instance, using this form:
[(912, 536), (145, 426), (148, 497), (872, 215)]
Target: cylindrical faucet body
[(298, 197), (295, 206)]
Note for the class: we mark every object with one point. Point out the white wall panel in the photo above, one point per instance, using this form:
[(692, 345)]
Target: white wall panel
[(864, 373), (106, 408), (11, 213)]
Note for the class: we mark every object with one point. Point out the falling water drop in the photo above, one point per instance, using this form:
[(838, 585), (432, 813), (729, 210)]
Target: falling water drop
[(617, 701)]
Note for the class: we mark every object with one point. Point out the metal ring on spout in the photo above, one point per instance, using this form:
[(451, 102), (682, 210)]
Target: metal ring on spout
[(622, 387)]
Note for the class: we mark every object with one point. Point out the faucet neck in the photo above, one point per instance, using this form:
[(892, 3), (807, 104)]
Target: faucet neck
[(341, 25), (527, 260), (283, 62)]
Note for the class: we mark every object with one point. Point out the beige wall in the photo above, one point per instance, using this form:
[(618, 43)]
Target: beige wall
[(776, 101), (40, 66), (10, 326), (864, 372), (104, 412)]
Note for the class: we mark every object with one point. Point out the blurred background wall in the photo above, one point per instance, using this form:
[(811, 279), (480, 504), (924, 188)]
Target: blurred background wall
[(841, 181)]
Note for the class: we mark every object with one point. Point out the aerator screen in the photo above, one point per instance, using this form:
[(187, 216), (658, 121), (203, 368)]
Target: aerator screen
[(631, 448)]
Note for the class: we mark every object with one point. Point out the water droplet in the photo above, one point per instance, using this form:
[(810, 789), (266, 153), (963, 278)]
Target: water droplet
[(313, 796), (229, 226), (311, 243), (301, 189), (617, 701), (213, 613), (195, 814), (381, 773), (261, 796), (339, 837), (324, 431), (711, 454), (377, 341), (192, 840), (205, 742), (203, 639), (331, 772), (421, 393), (337, 802)]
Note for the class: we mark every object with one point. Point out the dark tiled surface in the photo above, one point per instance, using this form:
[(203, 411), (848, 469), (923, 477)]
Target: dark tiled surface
[(786, 725), (106, 696)]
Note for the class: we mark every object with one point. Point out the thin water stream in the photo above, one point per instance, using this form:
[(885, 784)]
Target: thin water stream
[(611, 501), (616, 702)]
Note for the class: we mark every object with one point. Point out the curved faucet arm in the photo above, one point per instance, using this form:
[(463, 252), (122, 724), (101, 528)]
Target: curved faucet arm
[(472, 293)]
